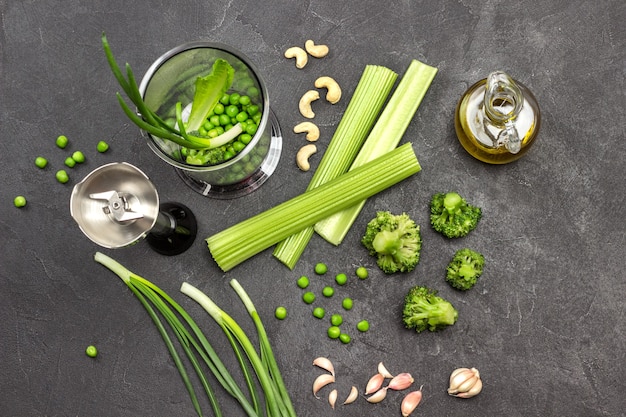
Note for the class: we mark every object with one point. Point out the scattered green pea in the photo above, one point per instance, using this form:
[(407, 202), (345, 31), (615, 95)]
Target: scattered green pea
[(62, 176), (320, 268), (363, 326), (102, 146), (79, 157), (70, 162), (334, 332), (308, 297), (303, 282), (19, 201), (336, 319), (341, 279), (41, 162), (345, 338), (347, 304), (319, 312), (361, 272), (280, 313), (91, 351), (328, 291), (62, 141)]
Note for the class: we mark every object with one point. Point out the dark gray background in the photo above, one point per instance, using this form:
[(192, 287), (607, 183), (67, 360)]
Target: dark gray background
[(544, 325)]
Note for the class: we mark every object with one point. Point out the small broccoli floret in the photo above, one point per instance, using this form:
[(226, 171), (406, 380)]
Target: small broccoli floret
[(424, 309), (394, 240), (212, 156), (452, 216), (465, 268)]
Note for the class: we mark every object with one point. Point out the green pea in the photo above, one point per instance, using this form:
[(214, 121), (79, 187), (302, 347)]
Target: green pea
[(363, 326), (253, 91), (91, 351), (208, 125), (232, 110), (225, 100), (78, 157), (303, 282), (319, 312), (220, 130), (238, 146), (62, 141), (347, 303), (244, 100), (218, 109), (19, 201), (224, 119), (257, 118), (345, 338), (361, 272), (245, 138), (41, 162), (280, 313), (62, 176), (102, 146), (320, 268), (252, 109), (328, 291), (336, 319), (234, 98), (341, 279), (212, 133), (228, 155), (242, 116), (70, 162), (334, 332), (308, 297)]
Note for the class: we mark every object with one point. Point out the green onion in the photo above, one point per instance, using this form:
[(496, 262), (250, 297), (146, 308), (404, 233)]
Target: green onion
[(384, 137), (233, 245), (368, 99)]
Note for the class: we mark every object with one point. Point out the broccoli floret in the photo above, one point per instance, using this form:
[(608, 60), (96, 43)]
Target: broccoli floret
[(212, 156), (394, 240), (424, 309), (452, 216), (465, 268)]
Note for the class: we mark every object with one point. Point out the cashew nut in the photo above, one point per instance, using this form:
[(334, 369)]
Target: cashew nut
[(317, 51), (305, 103), (334, 91), (299, 54), (303, 155), (313, 132)]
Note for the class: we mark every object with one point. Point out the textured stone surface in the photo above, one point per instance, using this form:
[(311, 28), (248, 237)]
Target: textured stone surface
[(544, 325)]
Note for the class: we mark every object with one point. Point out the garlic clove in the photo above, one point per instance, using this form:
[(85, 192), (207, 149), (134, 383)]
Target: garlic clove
[(332, 398), (382, 370), (378, 396), (374, 384), (325, 364), (401, 381), (475, 390), (465, 383), (321, 381), (458, 377), (410, 402), (354, 393)]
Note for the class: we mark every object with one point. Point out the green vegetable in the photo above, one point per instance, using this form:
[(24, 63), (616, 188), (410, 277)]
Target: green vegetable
[(341, 279), (425, 310), (62, 176), (334, 332), (102, 146), (70, 162), (209, 90), (79, 157), (91, 351), (452, 216), (62, 141), (347, 303), (394, 240), (345, 338), (319, 312), (336, 320), (367, 100), (363, 326), (303, 282), (233, 246), (384, 137), (280, 313), (19, 201), (320, 269), (361, 272), (308, 297), (328, 291), (41, 162), (465, 269)]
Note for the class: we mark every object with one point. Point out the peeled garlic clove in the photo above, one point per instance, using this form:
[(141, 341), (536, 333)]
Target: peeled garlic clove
[(465, 382), (378, 396), (383, 371), (332, 398), (325, 364), (374, 383), (321, 381), (401, 381), (410, 402), (354, 393)]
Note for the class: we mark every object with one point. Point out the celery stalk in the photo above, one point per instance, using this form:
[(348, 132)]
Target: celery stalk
[(237, 243), (384, 137), (367, 100)]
